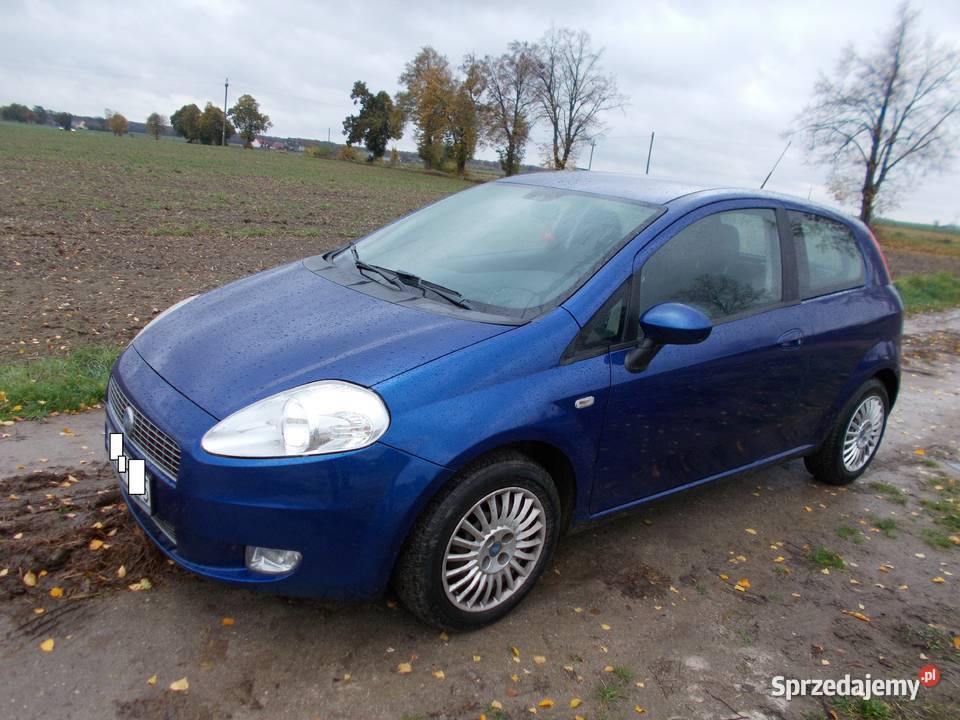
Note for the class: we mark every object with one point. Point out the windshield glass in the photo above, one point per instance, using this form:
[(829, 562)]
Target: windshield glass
[(509, 249)]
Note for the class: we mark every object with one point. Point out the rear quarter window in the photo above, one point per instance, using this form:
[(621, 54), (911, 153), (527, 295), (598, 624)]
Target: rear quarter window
[(828, 255)]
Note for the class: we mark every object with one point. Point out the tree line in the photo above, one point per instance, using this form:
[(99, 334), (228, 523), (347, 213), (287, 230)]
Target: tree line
[(206, 127), (558, 82)]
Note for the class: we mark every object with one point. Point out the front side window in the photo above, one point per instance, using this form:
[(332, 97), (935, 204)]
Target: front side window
[(725, 264), (828, 259), (508, 248)]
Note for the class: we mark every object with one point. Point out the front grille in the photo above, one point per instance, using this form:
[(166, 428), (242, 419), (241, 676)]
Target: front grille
[(156, 446)]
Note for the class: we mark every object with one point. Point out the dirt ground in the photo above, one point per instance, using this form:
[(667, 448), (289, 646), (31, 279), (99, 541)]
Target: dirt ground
[(638, 614)]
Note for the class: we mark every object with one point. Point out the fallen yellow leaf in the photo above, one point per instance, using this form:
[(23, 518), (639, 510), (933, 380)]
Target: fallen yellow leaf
[(638, 710), (539, 659), (751, 531), (122, 572), (144, 584), (56, 592), (47, 645), (919, 451), (744, 583), (476, 658), (227, 621), (724, 577), (496, 705), (444, 637), (515, 650), (404, 668), (857, 615), (96, 544), (29, 579), (438, 674), (181, 685), (575, 703), (956, 643), (545, 703), (938, 580), (608, 668), (604, 626), (515, 677), (152, 680), (38, 611), (779, 559)]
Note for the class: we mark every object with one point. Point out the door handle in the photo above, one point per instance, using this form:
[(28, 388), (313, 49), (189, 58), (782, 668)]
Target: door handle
[(791, 339)]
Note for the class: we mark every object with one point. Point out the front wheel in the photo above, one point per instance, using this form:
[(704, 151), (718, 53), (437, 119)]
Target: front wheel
[(854, 440), (482, 543)]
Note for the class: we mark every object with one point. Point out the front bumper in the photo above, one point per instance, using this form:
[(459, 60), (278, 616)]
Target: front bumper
[(347, 513)]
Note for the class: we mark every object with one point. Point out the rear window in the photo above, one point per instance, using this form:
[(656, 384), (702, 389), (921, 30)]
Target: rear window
[(828, 257)]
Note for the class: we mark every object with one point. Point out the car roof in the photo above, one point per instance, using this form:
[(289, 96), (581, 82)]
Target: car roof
[(657, 191)]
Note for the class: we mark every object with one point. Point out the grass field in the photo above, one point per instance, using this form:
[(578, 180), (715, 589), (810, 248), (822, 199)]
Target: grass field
[(98, 234)]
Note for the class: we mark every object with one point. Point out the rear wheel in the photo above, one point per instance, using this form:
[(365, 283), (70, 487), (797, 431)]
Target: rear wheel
[(481, 545), (854, 440)]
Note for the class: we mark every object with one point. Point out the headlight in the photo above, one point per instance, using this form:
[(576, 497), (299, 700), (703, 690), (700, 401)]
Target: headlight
[(168, 311), (322, 417)]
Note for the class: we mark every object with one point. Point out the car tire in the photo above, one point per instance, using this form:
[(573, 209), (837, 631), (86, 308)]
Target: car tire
[(434, 549), (828, 464)]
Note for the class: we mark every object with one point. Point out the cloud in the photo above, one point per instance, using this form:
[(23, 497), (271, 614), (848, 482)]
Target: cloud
[(719, 82)]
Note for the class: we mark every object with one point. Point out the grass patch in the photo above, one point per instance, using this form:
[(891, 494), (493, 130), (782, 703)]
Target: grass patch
[(610, 692), (849, 533), (32, 390), (922, 293), (890, 492), (623, 674), (860, 709), (823, 557), (887, 527), (946, 513), (936, 539)]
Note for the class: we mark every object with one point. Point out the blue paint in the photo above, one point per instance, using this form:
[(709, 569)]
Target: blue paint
[(714, 401)]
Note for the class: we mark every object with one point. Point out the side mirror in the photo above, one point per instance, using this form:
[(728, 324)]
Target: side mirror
[(667, 324), (675, 324)]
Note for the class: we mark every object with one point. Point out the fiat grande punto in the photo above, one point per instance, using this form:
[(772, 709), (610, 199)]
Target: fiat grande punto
[(433, 405)]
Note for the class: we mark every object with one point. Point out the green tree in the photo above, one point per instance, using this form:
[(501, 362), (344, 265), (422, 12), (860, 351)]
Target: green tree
[(116, 123), (425, 100), (17, 113), (41, 113), (186, 122), (378, 121), (156, 125), (466, 114), (249, 120), (210, 126), (63, 120)]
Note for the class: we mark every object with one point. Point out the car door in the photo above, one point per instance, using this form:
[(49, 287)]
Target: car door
[(701, 410), (840, 316)]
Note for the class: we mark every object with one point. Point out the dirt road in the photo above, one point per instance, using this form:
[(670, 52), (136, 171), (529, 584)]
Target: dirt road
[(642, 613)]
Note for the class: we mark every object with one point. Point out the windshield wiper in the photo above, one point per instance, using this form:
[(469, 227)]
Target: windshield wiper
[(448, 294), (387, 275)]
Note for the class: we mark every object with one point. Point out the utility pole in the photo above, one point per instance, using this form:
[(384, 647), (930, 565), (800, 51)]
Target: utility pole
[(223, 136), (328, 136), (649, 153), (593, 144)]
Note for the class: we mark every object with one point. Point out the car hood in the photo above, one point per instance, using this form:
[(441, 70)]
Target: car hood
[(288, 326)]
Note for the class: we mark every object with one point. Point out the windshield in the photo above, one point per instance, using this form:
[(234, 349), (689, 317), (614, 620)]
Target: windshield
[(506, 248)]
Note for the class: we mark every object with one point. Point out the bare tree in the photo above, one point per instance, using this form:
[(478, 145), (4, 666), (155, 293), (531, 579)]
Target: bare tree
[(884, 118), (572, 90), (510, 100)]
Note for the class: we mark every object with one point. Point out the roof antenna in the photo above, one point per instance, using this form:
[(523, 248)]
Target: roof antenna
[(789, 142)]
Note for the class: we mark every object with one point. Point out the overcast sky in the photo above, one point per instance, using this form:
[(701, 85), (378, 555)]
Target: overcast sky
[(719, 82)]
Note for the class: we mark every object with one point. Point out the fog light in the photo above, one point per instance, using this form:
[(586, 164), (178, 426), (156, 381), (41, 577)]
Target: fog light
[(270, 561)]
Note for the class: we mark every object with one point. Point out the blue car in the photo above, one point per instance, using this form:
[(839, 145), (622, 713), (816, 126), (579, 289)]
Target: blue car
[(431, 406)]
